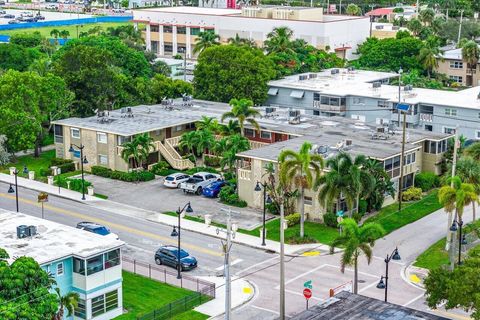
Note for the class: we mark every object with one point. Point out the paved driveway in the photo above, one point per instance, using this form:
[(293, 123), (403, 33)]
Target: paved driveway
[(152, 195)]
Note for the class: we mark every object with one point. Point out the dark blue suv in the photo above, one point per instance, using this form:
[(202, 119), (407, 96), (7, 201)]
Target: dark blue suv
[(168, 255)]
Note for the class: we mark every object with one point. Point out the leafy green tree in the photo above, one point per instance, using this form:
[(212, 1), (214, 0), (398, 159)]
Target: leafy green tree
[(64, 34), (163, 87), (55, 33), (128, 34), (356, 240), (242, 111), (473, 151), (230, 128), (470, 54), (382, 185), (415, 26), (303, 169), (138, 150), (468, 169), (27, 40), (205, 39), (161, 67), (353, 10), (68, 301), (4, 154), (25, 290), (279, 40), (457, 288), (231, 146), (426, 16), (226, 72), (16, 57), (237, 41), (428, 58)]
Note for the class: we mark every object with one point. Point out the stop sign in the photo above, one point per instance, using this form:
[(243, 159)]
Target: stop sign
[(307, 293)]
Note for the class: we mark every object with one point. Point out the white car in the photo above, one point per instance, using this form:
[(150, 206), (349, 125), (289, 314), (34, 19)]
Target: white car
[(26, 14), (174, 180), (51, 6)]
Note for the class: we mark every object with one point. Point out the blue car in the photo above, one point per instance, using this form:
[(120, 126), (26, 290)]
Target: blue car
[(213, 189)]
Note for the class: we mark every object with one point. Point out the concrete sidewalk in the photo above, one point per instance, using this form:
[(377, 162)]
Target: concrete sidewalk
[(130, 211)]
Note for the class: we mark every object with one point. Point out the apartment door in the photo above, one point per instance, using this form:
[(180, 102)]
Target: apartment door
[(168, 133)]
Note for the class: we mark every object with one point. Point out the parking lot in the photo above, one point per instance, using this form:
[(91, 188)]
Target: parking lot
[(153, 196), (49, 15)]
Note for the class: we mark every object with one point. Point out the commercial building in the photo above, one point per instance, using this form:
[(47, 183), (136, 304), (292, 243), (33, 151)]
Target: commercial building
[(451, 63), (172, 30), (79, 261), (368, 97)]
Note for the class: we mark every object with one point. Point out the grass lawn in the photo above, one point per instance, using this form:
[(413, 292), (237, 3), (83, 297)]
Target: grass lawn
[(72, 29), (433, 257), (390, 219), (190, 315), (142, 295), (33, 164)]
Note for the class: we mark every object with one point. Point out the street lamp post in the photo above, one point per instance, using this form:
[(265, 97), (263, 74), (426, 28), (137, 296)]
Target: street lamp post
[(83, 160), (11, 190), (266, 199), (184, 64), (461, 238), (384, 285), (176, 233)]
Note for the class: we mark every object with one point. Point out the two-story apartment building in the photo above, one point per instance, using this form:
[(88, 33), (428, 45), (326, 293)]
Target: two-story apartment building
[(172, 30), (79, 261), (451, 63), (368, 97)]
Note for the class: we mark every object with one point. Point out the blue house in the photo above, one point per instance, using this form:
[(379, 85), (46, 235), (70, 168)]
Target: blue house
[(79, 261)]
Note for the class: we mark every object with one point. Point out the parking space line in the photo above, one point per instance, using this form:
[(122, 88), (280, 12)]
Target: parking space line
[(303, 274), (368, 287), (413, 300), (348, 269)]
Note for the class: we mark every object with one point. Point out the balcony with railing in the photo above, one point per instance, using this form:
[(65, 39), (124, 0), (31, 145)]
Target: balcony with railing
[(245, 172)]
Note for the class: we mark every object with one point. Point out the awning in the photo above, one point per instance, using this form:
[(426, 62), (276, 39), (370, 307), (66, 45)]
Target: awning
[(297, 94), (272, 91)]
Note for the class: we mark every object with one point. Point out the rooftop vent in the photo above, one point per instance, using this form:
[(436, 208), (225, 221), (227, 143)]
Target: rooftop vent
[(270, 110), (348, 142), (376, 84), (303, 77), (335, 71), (24, 231), (312, 75), (408, 87)]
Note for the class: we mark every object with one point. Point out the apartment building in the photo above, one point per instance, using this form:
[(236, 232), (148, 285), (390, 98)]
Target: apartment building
[(172, 30), (79, 261), (368, 97), (329, 136), (451, 63)]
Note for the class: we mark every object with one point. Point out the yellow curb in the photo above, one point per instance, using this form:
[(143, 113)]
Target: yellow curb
[(311, 253), (247, 290), (414, 278)]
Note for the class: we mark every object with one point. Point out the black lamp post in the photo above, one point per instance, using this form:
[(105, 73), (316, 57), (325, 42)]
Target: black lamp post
[(83, 160), (176, 233), (266, 199), (461, 238), (11, 190), (384, 285)]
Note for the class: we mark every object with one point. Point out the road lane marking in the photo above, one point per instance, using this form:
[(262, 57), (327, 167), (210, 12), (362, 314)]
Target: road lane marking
[(115, 225), (413, 300), (265, 309), (236, 261), (303, 274), (255, 265), (368, 287)]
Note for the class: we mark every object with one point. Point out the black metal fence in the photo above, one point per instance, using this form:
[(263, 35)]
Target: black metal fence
[(176, 307), (160, 274)]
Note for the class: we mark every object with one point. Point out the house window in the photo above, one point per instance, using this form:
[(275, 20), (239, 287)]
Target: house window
[(168, 47), (102, 159), (178, 128), (316, 112), (112, 258), (60, 269), (154, 28), (456, 65), (122, 139), (181, 30), (428, 127), (190, 125), (359, 101), (94, 264), (249, 132), (448, 130), (477, 134), (79, 266), (75, 133), (154, 46), (382, 104), (111, 300), (80, 310), (266, 135), (98, 305), (458, 79), (58, 133), (392, 166), (194, 31), (101, 137), (308, 201), (409, 159), (450, 112), (167, 29)]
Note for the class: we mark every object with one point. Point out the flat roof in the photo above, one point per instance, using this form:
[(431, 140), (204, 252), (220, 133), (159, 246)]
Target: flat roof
[(346, 305), (194, 10), (358, 83), (52, 242)]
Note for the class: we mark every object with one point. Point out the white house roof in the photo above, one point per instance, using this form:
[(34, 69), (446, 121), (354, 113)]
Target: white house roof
[(196, 10), (53, 241), (454, 54)]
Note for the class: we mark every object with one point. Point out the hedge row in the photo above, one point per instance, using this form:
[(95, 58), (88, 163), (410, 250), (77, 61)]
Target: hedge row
[(123, 176)]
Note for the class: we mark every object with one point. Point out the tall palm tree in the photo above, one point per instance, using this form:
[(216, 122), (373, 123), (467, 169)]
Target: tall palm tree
[(279, 40), (55, 33), (428, 58), (237, 41), (205, 40), (68, 301), (203, 140), (383, 184), (243, 112), (234, 145), (415, 26), (187, 141), (207, 123), (470, 54), (145, 142), (473, 151), (138, 149), (64, 34), (468, 170), (353, 10), (298, 167), (356, 240), (231, 128), (426, 16)]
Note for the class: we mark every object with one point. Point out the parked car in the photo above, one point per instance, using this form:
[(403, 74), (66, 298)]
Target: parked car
[(29, 19), (198, 181), (213, 189), (51, 6), (3, 12), (13, 21), (39, 17), (168, 255), (9, 16), (96, 228), (26, 14), (118, 10), (175, 179)]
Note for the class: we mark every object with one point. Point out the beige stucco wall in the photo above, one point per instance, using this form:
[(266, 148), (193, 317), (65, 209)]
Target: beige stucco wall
[(384, 34), (444, 67)]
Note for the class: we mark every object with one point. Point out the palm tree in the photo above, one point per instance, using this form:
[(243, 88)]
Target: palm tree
[(55, 33), (237, 41), (68, 301), (426, 16), (356, 240), (205, 40), (138, 149), (468, 170), (473, 151), (279, 40), (234, 144), (383, 184), (187, 141), (207, 123), (298, 167), (203, 140), (470, 53), (428, 58), (415, 26), (231, 128), (353, 10), (64, 34), (242, 111)]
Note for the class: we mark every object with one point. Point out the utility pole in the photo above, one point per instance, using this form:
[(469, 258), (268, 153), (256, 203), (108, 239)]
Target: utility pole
[(226, 250), (400, 181), (460, 27), (282, 262), (449, 242)]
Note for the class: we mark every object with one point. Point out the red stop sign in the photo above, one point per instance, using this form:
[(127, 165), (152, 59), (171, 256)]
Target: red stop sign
[(307, 293)]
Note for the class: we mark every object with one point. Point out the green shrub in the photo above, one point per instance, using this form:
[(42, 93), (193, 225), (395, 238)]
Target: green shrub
[(212, 161), (101, 171), (293, 219), (362, 207), (123, 176), (412, 194), (427, 181), (228, 196), (75, 184), (190, 157), (272, 208), (330, 219), (66, 167), (162, 168), (59, 161), (229, 176), (296, 239), (357, 216), (45, 172)]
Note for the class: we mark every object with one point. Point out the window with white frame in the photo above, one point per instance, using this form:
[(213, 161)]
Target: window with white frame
[(448, 130), (458, 79), (265, 135), (477, 134), (102, 159), (409, 158), (308, 201), (75, 133), (178, 128), (456, 65), (60, 269), (450, 112), (101, 137), (249, 132), (383, 104)]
